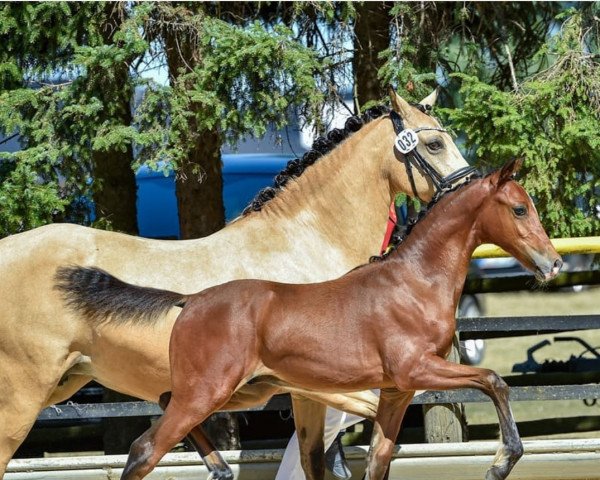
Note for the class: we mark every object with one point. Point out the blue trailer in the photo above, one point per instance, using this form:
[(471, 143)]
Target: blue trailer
[(243, 176)]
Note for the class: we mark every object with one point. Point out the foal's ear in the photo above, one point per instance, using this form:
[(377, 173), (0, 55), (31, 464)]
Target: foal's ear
[(399, 105), (507, 172)]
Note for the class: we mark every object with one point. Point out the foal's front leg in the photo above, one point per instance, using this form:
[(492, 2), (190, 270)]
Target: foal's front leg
[(391, 410), (435, 373)]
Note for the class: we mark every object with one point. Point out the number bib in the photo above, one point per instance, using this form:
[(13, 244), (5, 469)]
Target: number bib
[(406, 140)]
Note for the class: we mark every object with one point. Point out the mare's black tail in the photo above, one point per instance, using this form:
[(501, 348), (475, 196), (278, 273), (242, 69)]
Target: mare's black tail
[(102, 298)]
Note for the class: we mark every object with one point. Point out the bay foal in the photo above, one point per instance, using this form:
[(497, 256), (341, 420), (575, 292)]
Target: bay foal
[(388, 325)]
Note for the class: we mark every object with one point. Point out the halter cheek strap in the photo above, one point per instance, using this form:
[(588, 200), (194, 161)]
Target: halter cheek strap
[(440, 182)]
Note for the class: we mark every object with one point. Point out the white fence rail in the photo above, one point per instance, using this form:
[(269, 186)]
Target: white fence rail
[(543, 460)]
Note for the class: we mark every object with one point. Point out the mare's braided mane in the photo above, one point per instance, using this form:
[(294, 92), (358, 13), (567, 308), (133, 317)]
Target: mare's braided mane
[(320, 148)]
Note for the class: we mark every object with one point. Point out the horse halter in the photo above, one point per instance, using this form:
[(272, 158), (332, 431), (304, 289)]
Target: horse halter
[(413, 156)]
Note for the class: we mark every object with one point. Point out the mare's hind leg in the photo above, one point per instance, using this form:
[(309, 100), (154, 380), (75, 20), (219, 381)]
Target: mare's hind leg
[(392, 407), (18, 410), (211, 457), (434, 373), (309, 417)]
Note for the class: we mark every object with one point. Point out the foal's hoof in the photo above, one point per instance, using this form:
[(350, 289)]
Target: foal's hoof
[(223, 474), (497, 473), (336, 460)]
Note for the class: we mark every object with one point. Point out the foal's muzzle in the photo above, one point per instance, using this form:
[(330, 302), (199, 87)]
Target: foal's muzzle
[(545, 273)]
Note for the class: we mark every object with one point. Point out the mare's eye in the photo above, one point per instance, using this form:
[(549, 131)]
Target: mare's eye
[(435, 145), (520, 211)]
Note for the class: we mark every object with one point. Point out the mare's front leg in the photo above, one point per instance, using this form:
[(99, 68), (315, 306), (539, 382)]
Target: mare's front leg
[(391, 410), (435, 373), (309, 419)]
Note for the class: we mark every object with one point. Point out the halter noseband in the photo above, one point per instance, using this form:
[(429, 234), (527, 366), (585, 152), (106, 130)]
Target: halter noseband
[(413, 156)]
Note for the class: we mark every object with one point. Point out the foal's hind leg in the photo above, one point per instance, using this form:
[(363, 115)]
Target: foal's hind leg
[(434, 373), (179, 418), (248, 396), (392, 407), (211, 457)]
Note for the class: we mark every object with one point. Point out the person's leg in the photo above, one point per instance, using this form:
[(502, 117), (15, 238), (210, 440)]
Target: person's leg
[(335, 420)]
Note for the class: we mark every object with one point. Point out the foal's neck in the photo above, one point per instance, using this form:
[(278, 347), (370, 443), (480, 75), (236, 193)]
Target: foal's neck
[(343, 198), (442, 243)]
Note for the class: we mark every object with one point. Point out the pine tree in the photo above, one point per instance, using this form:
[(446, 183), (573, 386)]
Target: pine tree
[(551, 120)]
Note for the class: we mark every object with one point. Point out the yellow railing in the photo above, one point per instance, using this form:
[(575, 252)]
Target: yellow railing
[(563, 246)]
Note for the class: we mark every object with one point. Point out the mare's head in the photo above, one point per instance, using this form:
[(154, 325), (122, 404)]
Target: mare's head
[(435, 147), (509, 219)]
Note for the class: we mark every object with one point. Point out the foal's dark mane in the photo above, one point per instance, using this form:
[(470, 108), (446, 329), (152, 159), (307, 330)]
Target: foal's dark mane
[(401, 232), (320, 147)]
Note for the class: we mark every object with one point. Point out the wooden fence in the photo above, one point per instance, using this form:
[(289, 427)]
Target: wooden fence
[(444, 421), (543, 460)]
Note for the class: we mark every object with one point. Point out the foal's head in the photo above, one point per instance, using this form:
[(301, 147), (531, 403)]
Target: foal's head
[(509, 219)]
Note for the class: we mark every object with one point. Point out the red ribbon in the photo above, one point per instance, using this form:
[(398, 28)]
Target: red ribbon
[(391, 223)]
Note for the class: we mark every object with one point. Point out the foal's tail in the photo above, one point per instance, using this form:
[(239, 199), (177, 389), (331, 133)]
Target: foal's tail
[(102, 298)]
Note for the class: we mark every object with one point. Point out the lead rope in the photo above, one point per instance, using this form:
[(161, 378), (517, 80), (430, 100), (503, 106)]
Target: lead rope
[(389, 229)]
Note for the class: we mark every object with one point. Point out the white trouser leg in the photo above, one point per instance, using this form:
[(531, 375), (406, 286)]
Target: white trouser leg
[(335, 420)]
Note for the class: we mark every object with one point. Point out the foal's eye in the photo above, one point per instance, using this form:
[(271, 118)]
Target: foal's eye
[(520, 211), (435, 145)]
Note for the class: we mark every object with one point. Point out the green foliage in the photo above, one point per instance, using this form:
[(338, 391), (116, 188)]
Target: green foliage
[(66, 67), (60, 99), (400, 68), (69, 71), (466, 37), (246, 100), (250, 77), (552, 122), (27, 200)]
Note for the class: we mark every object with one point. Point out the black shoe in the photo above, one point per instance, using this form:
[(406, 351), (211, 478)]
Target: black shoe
[(336, 460)]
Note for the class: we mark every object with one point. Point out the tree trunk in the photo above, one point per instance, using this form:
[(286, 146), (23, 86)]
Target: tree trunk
[(199, 185), (116, 191), (371, 36), (199, 188), (115, 199)]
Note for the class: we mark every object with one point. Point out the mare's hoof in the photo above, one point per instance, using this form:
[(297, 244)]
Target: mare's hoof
[(336, 460)]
